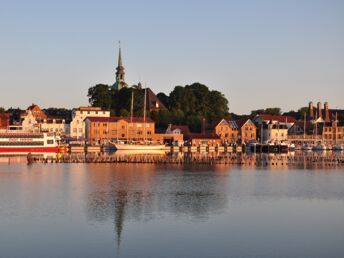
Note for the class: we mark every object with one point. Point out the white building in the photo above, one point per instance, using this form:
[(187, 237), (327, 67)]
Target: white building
[(275, 133), (47, 124), (77, 125)]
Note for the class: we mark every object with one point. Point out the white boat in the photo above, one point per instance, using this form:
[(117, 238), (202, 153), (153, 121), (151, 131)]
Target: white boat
[(137, 146), (320, 147), (337, 147), (306, 147), (16, 141)]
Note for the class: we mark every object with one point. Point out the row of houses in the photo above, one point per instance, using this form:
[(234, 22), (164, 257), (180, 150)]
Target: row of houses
[(96, 126)]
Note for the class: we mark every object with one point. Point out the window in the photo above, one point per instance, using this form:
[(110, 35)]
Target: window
[(80, 130), (50, 141), (114, 132), (74, 130), (88, 112), (96, 112)]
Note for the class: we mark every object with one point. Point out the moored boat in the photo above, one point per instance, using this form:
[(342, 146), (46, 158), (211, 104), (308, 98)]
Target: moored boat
[(25, 142), (137, 146)]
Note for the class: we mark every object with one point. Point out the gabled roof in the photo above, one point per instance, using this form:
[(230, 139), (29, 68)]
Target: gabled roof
[(184, 129), (242, 122), (118, 118), (152, 100)]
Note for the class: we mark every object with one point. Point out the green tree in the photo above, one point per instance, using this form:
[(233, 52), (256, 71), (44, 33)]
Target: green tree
[(2, 110), (100, 96)]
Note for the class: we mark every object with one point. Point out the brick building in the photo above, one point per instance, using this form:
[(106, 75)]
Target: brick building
[(227, 130), (4, 120)]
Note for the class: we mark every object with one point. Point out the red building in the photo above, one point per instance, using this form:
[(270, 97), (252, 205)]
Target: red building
[(4, 120)]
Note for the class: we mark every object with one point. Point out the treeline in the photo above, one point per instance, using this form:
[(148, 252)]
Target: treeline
[(188, 104)]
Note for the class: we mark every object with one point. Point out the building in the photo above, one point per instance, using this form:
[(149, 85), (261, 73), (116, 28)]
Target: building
[(177, 129), (120, 74), (227, 130), (275, 132), (247, 130), (152, 101), (288, 121), (77, 125), (200, 139), (100, 130), (34, 119), (4, 120)]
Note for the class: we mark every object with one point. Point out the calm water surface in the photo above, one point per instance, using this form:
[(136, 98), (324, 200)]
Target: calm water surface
[(129, 210)]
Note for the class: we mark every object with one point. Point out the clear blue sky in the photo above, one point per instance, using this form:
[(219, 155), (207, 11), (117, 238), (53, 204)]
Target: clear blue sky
[(258, 53)]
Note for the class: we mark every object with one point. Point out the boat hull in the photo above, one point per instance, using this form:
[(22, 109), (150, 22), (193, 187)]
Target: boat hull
[(29, 149), (119, 146)]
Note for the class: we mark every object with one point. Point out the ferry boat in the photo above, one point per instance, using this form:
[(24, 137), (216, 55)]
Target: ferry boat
[(26, 142)]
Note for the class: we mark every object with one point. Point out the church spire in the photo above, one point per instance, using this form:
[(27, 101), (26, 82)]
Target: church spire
[(120, 82)]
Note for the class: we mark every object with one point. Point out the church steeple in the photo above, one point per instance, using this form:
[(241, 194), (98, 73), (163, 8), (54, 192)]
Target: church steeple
[(120, 81)]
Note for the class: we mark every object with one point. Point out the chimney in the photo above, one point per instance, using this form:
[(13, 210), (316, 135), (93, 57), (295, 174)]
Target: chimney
[(311, 110), (319, 110), (327, 112)]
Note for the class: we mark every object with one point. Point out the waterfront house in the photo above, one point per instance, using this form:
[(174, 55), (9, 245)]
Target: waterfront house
[(227, 130), (77, 125), (200, 139), (259, 120), (247, 130), (177, 129), (34, 119), (100, 130), (275, 132)]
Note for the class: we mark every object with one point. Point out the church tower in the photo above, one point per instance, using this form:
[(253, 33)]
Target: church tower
[(120, 82)]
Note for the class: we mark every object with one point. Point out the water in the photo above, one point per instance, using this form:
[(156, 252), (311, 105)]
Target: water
[(136, 210)]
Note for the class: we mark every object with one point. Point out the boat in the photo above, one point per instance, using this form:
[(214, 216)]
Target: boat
[(337, 147), (26, 142), (143, 145), (319, 147), (137, 146), (306, 147)]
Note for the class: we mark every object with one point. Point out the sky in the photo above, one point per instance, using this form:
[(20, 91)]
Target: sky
[(258, 53)]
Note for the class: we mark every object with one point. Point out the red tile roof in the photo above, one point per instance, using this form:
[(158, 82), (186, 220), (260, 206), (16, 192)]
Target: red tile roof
[(117, 118), (281, 119), (184, 129)]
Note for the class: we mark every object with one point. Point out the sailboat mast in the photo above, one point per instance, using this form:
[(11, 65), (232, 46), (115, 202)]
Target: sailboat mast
[(132, 106), (144, 116), (304, 126)]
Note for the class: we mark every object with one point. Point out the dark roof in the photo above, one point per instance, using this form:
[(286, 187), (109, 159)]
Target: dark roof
[(184, 129), (152, 100), (242, 122), (117, 118), (281, 119)]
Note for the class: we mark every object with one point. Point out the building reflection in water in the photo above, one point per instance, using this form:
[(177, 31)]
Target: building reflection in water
[(142, 192)]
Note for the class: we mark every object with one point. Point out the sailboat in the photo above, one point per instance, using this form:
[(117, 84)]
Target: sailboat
[(145, 145)]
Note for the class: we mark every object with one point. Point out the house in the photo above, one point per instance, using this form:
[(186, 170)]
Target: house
[(100, 130), (177, 129), (77, 125), (35, 120), (227, 130), (152, 101), (200, 139), (273, 119), (4, 120), (275, 132), (247, 130)]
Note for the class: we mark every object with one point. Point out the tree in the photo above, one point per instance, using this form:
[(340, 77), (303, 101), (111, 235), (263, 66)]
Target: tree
[(100, 96), (2, 110)]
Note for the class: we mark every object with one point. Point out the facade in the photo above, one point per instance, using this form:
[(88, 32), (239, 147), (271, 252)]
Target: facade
[(275, 133), (99, 130), (120, 74), (177, 129), (247, 130), (227, 130), (35, 120), (200, 139), (259, 120), (77, 125), (4, 120), (332, 133)]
